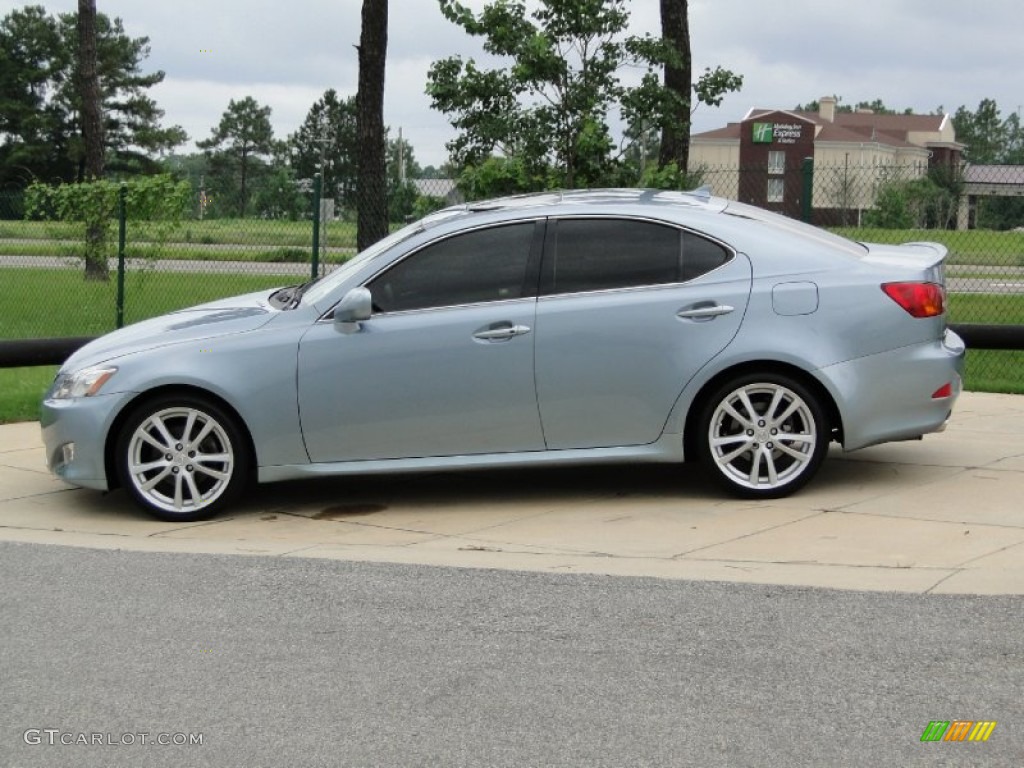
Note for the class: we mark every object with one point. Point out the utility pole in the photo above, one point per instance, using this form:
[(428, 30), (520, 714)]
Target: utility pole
[(323, 141), (401, 159)]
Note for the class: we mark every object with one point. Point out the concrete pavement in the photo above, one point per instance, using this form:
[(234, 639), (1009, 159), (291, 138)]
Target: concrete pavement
[(942, 515)]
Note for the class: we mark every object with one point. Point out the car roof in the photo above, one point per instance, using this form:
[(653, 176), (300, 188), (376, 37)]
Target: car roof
[(581, 201)]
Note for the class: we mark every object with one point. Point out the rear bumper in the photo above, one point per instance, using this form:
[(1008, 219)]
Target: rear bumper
[(890, 396)]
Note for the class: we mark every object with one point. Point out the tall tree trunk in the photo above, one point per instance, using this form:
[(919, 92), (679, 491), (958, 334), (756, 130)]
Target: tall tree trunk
[(372, 164), (675, 134), (92, 134)]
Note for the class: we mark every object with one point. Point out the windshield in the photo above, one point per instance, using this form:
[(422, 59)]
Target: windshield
[(324, 286)]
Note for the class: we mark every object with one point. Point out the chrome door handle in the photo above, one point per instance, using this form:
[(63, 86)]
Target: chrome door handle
[(502, 333), (698, 313)]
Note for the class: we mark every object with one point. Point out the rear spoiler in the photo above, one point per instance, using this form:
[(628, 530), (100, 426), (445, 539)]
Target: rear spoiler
[(920, 255)]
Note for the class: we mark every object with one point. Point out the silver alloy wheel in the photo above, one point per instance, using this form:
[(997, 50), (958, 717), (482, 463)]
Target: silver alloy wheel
[(180, 459), (763, 436)]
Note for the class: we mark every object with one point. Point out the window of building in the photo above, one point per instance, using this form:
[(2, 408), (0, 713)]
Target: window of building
[(483, 265), (776, 162), (776, 190)]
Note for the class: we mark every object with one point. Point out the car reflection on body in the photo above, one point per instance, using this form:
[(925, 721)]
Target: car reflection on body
[(557, 328)]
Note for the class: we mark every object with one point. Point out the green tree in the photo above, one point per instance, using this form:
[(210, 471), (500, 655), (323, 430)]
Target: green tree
[(41, 100), (34, 128), (237, 150), (985, 133), (401, 168), (877, 106), (926, 202), (498, 176), (551, 106), (279, 195), (446, 171), (94, 204), (892, 209), (326, 142), (1013, 151), (993, 141)]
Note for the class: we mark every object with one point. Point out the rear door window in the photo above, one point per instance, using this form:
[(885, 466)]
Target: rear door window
[(591, 254)]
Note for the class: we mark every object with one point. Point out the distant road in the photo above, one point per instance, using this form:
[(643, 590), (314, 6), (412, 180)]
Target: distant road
[(189, 247), (168, 265)]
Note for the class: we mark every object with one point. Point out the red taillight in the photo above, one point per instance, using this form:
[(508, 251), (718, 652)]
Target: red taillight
[(919, 299), (946, 390)]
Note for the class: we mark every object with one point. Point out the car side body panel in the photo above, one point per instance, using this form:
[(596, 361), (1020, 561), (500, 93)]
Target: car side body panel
[(610, 364)]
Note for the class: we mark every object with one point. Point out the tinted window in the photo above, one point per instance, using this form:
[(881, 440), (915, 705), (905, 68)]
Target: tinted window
[(700, 256), (598, 254), (483, 265)]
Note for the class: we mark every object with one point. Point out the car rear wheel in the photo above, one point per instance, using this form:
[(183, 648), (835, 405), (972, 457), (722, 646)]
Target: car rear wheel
[(182, 458), (764, 435)]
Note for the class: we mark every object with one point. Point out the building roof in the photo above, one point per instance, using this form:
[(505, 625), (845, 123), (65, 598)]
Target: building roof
[(849, 127), (994, 174), (731, 131), (860, 134)]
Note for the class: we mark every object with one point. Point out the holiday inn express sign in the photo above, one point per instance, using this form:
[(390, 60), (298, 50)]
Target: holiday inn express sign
[(777, 133)]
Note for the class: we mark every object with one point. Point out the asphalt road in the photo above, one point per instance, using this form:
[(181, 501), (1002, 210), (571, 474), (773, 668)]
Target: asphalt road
[(325, 663)]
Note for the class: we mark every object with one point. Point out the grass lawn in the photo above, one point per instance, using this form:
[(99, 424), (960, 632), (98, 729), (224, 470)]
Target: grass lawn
[(995, 370), (986, 308), (52, 302), (980, 247), (66, 249), (21, 389)]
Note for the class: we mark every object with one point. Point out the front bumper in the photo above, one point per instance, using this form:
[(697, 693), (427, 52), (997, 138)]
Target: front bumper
[(83, 423)]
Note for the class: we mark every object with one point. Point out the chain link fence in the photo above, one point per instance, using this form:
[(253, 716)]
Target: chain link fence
[(977, 212), (169, 266)]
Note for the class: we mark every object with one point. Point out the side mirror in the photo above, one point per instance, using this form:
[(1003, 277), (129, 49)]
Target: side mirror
[(356, 306)]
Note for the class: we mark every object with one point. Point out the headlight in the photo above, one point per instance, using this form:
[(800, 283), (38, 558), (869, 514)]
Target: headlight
[(84, 383)]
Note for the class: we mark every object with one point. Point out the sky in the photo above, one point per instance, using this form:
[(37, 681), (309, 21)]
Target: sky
[(917, 54)]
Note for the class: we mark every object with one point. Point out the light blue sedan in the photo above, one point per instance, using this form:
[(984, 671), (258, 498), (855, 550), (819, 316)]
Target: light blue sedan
[(559, 328)]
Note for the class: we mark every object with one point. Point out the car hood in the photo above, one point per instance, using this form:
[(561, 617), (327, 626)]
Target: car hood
[(217, 318)]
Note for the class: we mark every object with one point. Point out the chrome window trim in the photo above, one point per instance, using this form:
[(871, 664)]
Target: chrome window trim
[(730, 251)]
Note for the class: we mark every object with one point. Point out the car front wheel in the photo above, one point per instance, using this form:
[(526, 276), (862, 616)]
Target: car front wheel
[(764, 435), (182, 458)]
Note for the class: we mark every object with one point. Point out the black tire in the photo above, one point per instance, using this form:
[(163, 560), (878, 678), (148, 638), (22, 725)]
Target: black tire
[(182, 457), (771, 452)]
